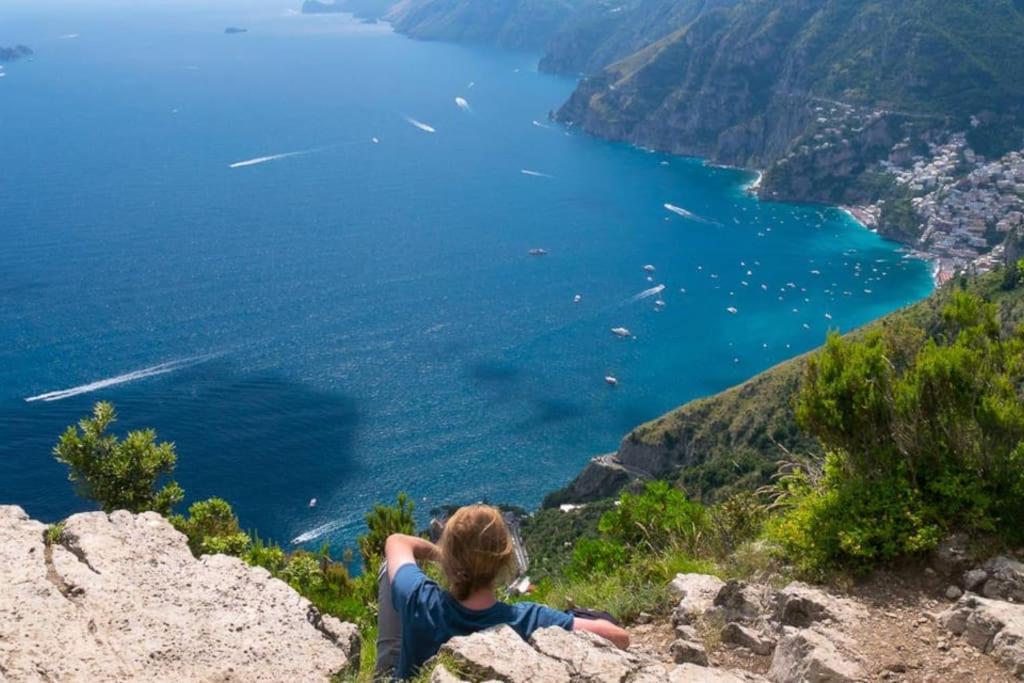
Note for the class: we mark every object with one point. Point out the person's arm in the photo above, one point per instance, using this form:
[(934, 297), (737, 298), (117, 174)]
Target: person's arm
[(603, 628), (401, 550)]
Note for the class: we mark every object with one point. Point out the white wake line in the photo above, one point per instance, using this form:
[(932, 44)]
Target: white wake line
[(422, 126), (680, 211), (649, 293), (535, 174), (323, 529), (273, 157), (153, 371)]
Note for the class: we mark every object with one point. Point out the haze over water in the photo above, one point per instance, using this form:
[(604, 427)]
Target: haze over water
[(199, 228)]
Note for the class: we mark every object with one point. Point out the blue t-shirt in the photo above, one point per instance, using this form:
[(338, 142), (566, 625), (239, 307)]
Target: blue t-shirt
[(430, 616)]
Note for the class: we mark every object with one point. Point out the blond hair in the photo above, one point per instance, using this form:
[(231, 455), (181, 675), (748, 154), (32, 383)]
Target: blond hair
[(476, 549)]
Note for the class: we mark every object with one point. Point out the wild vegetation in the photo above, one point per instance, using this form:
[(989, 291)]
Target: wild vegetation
[(919, 417)]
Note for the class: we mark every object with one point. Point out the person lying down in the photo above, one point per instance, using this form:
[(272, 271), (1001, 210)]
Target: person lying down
[(476, 553)]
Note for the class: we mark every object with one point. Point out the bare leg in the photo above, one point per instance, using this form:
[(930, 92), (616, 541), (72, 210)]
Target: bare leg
[(389, 627)]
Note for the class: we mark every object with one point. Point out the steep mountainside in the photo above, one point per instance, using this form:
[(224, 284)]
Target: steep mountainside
[(736, 438), (604, 33), (743, 85), (516, 24)]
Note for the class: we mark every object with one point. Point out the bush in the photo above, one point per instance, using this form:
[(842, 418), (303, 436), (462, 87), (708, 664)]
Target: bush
[(118, 474), (924, 436), (212, 527), (656, 519), (381, 522)]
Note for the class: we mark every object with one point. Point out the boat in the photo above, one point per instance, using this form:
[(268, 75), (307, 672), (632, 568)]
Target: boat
[(612, 381), (536, 251), (621, 332), (732, 309), (576, 299), (649, 268), (659, 303), (312, 502)]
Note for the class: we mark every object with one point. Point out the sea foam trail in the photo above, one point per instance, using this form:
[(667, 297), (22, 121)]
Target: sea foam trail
[(422, 126), (535, 174), (153, 371), (680, 211), (317, 532), (273, 157), (653, 291)]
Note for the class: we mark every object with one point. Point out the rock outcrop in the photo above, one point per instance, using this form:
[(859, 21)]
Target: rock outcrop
[(120, 597), (995, 627), (554, 655)]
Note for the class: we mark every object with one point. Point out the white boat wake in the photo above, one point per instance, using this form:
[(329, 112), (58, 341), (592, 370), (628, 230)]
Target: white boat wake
[(153, 371), (535, 174), (273, 157), (317, 532), (647, 293), (463, 104), (422, 126), (680, 211)]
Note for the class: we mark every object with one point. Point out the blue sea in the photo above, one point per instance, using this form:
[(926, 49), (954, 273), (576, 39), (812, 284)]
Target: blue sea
[(294, 255)]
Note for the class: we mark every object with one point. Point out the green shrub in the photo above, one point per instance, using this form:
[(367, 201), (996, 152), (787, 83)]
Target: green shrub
[(212, 527), (657, 518), (381, 522), (118, 474)]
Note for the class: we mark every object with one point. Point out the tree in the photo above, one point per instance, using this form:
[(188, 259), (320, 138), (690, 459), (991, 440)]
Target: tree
[(381, 522), (119, 474)]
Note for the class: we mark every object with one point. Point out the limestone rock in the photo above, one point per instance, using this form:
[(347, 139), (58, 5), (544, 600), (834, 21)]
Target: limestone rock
[(992, 626), (690, 673), (1005, 579), (736, 634), (741, 601), (442, 675), (499, 653), (975, 579), (121, 598), (953, 593), (696, 593), (588, 657), (688, 652), (801, 605), (813, 656)]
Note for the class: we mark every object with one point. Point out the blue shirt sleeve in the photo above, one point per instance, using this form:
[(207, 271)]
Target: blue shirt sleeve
[(534, 616), (410, 587)]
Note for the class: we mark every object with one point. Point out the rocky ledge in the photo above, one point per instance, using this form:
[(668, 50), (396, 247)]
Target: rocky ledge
[(120, 597)]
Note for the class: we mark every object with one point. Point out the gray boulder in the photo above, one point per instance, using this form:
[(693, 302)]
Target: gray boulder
[(121, 598), (688, 652), (736, 634), (741, 601), (500, 654), (588, 657), (975, 579), (696, 594), (801, 605), (814, 656), (992, 626), (1005, 579)]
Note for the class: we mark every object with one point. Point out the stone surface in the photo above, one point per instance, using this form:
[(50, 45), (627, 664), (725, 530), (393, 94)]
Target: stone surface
[(1005, 579), (953, 593), (952, 556), (737, 634), (696, 594), (741, 601), (813, 656), (688, 652), (975, 579), (801, 605), (121, 598), (499, 653), (690, 673), (587, 656), (992, 626)]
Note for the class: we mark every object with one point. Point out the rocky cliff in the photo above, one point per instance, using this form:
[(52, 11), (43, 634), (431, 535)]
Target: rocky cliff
[(751, 84), (120, 597)]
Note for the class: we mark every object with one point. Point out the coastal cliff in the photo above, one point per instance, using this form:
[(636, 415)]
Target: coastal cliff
[(120, 597)]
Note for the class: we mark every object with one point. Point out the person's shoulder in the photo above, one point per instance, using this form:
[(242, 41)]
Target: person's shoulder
[(411, 585)]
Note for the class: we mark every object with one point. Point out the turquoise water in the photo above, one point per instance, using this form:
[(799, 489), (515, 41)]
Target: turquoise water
[(364, 318)]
